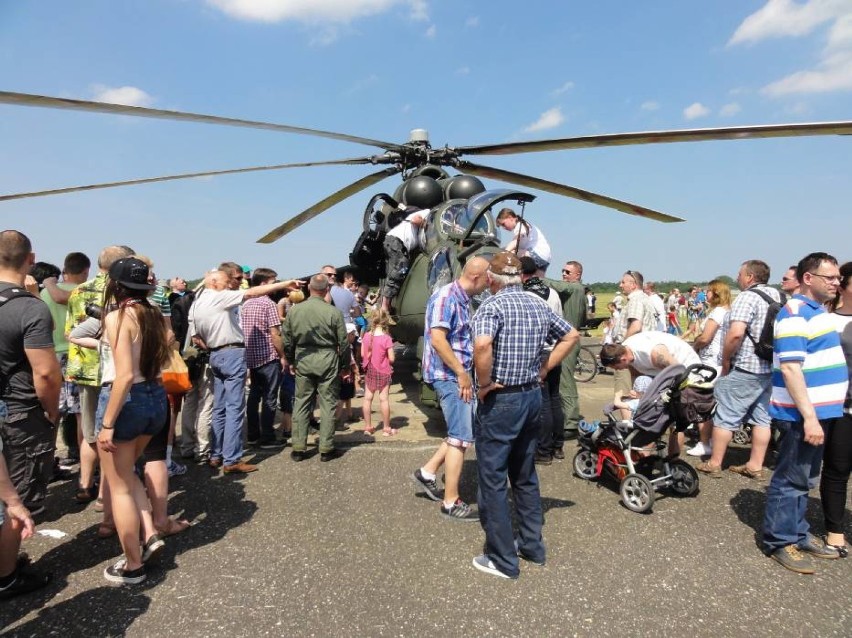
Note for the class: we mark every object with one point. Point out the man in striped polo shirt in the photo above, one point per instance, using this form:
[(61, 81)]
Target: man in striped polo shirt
[(809, 381)]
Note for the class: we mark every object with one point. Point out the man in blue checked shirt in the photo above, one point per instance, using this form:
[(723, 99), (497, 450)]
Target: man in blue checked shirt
[(448, 366), (509, 332)]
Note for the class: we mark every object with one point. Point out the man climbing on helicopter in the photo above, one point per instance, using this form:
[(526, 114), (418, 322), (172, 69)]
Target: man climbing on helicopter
[(400, 243), (527, 239)]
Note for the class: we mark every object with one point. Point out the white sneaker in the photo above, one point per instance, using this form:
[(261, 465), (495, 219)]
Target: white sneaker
[(700, 450)]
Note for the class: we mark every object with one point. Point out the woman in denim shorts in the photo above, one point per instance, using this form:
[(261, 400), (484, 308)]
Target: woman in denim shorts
[(133, 406)]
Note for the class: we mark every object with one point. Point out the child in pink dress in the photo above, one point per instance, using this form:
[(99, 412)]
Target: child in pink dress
[(377, 357)]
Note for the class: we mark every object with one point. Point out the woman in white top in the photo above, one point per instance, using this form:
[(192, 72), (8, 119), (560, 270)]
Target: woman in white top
[(527, 239), (709, 344), (132, 406)]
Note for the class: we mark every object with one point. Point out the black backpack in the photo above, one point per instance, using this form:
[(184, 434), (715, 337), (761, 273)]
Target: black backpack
[(764, 345), (7, 295)]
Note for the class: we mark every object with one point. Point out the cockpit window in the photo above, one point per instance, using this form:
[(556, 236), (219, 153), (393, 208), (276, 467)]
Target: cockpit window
[(440, 270), (456, 218)]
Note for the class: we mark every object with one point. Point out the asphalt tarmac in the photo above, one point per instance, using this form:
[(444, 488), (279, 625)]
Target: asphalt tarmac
[(348, 548)]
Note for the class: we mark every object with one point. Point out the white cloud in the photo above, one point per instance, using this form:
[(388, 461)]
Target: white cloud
[(786, 18), (472, 21), (314, 11), (463, 70), (547, 120), (695, 110), (129, 95), (730, 109), (431, 31), (799, 109), (780, 18), (562, 89), (650, 105)]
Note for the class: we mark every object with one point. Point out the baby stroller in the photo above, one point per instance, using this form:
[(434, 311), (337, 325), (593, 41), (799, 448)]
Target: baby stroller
[(629, 451)]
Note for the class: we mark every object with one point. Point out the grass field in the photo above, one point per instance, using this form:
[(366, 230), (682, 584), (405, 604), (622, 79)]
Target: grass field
[(600, 307)]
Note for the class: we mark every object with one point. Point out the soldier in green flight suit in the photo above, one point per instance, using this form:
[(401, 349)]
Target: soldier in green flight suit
[(317, 349), (573, 298)]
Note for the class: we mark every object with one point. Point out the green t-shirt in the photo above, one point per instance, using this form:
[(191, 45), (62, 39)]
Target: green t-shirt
[(59, 312)]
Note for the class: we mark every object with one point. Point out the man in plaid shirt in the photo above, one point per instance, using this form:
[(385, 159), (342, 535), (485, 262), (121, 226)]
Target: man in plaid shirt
[(742, 392), (509, 331), (262, 329)]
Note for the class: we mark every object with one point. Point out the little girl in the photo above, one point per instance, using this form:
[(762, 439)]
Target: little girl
[(377, 357)]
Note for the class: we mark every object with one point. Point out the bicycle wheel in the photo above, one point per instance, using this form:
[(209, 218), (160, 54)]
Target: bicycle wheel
[(587, 365)]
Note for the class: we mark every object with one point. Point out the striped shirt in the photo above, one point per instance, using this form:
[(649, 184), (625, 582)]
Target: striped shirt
[(448, 308), (519, 325), (805, 333), (257, 317)]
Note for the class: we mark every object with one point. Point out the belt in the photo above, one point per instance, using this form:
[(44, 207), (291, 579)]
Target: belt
[(739, 369), (228, 345), (509, 389)]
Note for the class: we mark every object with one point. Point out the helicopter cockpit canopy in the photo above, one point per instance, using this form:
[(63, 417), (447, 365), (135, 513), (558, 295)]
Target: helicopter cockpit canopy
[(456, 218), (480, 207)]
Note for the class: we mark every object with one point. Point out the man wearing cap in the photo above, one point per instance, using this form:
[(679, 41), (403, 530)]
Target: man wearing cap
[(83, 366), (448, 366), (215, 325), (30, 375), (551, 436), (399, 245), (572, 296), (510, 330), (317, 348)]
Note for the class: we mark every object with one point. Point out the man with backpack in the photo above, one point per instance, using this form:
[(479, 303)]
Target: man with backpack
[(745, 384)]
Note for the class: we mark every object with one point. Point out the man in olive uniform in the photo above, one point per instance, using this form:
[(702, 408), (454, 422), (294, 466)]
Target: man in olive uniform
[(315, 344), (573, 298)]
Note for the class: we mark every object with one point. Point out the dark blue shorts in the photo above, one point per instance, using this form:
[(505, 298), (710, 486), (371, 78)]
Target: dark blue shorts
[(144, 411)]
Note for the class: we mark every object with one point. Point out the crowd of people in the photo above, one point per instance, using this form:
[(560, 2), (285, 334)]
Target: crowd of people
[(85, 356)]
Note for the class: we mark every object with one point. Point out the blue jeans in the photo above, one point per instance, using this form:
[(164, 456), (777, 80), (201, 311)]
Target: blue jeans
[(506, 430), (796, 473), (265, 382), (229, 404), (143, 412)]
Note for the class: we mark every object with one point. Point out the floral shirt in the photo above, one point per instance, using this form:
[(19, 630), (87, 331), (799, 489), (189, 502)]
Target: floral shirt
[(84, 363)]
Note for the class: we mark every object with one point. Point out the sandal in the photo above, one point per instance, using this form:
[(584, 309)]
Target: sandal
[(174, 527), (106, 530), (842, 550), (86, 495), (389, 431), (98, 506), (369, 430)]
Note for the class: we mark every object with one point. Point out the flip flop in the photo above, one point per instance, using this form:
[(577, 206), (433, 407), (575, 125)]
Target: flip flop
[(105, 530), (389, 432), (369, 430), (175, 527)]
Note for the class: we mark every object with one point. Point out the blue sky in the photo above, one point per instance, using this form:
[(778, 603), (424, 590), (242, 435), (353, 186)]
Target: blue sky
[(469, 72)]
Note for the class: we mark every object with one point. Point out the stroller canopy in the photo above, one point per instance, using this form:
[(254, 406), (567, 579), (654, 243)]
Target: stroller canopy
[(654, 414)]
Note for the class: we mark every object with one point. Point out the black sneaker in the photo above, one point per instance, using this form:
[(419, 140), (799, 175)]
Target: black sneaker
[(251, 443), (543, 459), (118, 574), (26, 580), (152, 548), (298, 455), (459, 511), (68, 463), (529, 559), (559, 454), (429, 486), (272, 445)]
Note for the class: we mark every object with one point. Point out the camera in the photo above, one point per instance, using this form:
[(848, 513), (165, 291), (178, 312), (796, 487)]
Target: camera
[(94, 310)]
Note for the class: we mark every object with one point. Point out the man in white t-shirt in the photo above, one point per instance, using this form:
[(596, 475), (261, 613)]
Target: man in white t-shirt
[(650, 289), (400, 243)]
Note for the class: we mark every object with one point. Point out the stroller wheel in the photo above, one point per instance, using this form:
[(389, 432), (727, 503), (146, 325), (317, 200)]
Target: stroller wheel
[(684, 478), (741, 437), (637, 493), (586, 464)]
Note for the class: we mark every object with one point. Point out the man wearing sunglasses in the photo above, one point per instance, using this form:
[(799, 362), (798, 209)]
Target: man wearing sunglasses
[(789, 282)]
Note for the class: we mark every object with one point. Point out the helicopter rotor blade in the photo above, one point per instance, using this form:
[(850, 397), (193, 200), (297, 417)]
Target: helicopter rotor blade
[(27, 99), (166, 178), (662, 137), (567, 191), (323, 205)]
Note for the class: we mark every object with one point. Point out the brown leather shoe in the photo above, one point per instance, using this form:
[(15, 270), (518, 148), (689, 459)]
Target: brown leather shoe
[(239, 468), (745, 470), (215, 463)]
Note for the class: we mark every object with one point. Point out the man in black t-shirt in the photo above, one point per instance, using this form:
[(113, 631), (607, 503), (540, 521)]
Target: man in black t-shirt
[(30, 378)]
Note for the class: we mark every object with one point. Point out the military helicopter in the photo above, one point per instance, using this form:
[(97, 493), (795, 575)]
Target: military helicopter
[(460, 223)]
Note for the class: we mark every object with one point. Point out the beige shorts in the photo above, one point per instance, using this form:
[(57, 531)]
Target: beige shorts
[(88, 406)]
